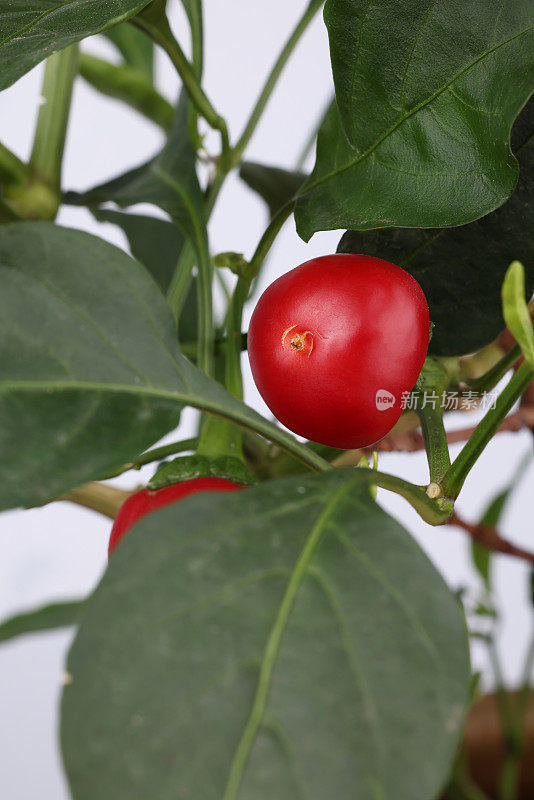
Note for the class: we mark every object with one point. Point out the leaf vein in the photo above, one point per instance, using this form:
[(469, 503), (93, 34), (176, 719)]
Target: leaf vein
[(273, 644), (354, 162)]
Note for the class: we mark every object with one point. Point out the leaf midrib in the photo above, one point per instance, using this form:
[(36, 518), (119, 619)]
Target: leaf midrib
[(409, 114), (273, 643), (261, 425)]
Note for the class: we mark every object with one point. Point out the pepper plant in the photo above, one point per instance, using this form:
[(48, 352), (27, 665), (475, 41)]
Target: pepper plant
[(289, 640)]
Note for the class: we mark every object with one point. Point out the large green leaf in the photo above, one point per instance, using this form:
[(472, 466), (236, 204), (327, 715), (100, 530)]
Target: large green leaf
[(31, 30), (288, 641), (426, 95), (461, 270), (90, 369), (83, 338)]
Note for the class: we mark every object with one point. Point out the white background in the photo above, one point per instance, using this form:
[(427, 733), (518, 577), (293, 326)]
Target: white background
[(59, 552)]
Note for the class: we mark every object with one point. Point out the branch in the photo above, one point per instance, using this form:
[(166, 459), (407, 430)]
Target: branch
[(309, 13), (97, 496), (154, 22), (52, 122), (410, 441), (486, 429), (487, 536)]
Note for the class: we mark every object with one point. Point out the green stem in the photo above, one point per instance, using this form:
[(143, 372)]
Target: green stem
[(155, 454), (197, 36), (181, 280), (12, 169), (266, 241), (49, 141), (429, 510), (272, 79), (492, 377), (189, 349), (105, 499), (435, 438), (158, 453), (234, 379), (486, 429), (128, 85), (158, 29), (206, 332), (220, 437)]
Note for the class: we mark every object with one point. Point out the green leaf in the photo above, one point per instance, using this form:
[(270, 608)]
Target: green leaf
[(461, 270), (285, 641), (515, 310), (169, 181), (56, 615), (481, 556), (83, 338), (136, 48), (492, 515), (31, 30), (427, 93), (157, 244), (276, 186), (90, 369)]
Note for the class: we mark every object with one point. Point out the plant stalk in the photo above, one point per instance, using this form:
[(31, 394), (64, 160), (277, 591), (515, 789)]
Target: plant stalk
[(206, 332), (155, 454), (431, 511), (181, 281), (457, 473), (50, 134), (129, 86), (97, 496), (159, 31), (492, 377), (309, 13), (197, 36), (435, 438), (267, 239)]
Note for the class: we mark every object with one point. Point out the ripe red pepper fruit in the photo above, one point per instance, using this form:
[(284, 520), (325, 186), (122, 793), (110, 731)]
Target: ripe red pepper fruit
[(335, 343), (146, 501)]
